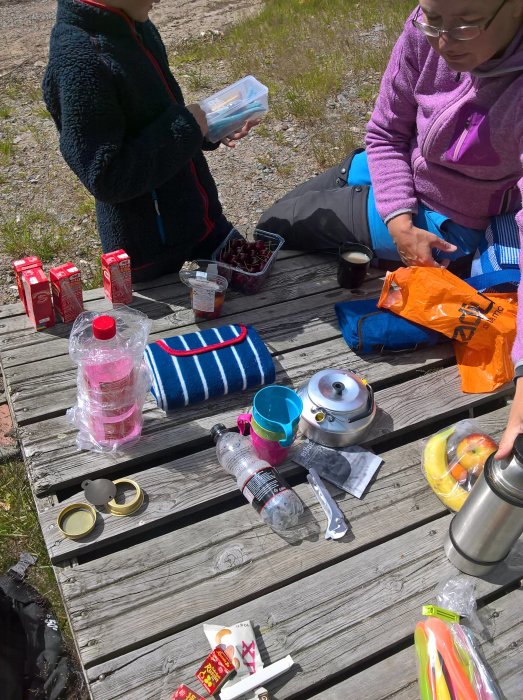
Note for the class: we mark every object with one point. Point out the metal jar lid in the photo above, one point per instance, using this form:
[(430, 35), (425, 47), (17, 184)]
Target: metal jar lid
[(339, 391), (76, 520), (128, 507)]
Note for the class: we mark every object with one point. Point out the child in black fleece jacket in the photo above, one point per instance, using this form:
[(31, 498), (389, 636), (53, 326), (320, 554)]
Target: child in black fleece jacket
[(126, 133)]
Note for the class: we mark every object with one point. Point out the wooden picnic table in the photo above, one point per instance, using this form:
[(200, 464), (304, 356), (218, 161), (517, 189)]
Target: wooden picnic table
[(138, 588)]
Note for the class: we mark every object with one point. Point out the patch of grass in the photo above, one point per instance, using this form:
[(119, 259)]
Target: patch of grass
[(284, 169), (41, 112), (39, 134), (87, 205), (198, 80), (265, 160), (36, 233), (14, 90), (95, 279), (6, 150), (306, 52), (5, 112), (262, 130), (34, 93)]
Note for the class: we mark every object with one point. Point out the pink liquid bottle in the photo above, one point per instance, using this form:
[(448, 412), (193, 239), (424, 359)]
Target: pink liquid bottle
[(110, 378)]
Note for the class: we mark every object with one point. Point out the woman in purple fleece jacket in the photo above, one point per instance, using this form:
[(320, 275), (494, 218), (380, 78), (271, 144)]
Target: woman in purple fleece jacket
[(444, 152)]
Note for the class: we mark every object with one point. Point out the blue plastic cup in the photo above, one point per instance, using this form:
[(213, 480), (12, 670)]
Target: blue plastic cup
[(278, 409)]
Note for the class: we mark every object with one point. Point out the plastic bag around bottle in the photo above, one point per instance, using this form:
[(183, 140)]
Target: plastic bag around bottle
[(450, 664), (453, 459), (112, 380)]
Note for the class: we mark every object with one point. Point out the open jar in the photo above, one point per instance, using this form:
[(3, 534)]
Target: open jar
[(207, 290)]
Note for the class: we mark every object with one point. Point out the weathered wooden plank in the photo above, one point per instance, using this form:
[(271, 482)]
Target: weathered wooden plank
[(53, 380), (125, 598), (89, 295), (283, 327), (395, 678), (55, 463), (41, 397), (329, 621), (182, 487), (169, 308)]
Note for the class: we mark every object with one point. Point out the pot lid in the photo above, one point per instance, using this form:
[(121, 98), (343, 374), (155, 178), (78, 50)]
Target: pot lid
[(337, 390)]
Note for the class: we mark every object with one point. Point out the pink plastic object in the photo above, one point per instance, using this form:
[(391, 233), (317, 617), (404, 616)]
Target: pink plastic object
[(269, 450), (114, 416)]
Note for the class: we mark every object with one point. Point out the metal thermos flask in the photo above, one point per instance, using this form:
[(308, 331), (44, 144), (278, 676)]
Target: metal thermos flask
[(490, 521)]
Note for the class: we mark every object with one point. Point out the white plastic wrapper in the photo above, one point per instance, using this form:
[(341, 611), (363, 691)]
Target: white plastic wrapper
[(239, 643), (112, 380)]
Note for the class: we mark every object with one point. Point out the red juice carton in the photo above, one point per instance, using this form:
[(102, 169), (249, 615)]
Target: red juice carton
[(183, 692), (19, 266), (116, 270), (66, 286), (215, 670), (38, 298)]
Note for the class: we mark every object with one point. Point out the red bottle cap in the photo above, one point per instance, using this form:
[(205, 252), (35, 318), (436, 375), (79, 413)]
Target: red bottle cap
[(104, 327)]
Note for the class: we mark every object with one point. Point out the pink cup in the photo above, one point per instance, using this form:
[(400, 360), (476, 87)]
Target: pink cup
[(269, 450)]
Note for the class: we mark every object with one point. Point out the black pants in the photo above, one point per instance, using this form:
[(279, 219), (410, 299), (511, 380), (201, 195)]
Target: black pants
[(321, 213)]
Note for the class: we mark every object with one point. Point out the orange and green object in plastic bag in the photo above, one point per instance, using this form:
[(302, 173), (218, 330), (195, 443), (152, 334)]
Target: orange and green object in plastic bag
[(482, 326), (450, 666)]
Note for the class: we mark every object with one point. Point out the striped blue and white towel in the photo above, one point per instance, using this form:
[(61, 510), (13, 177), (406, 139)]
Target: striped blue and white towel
[(499, 251), (191, 368)]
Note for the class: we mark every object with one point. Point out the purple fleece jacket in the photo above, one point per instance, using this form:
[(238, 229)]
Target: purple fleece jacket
[(453, 142)]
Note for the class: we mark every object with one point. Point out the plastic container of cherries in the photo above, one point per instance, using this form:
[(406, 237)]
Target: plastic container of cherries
[(247, 264)]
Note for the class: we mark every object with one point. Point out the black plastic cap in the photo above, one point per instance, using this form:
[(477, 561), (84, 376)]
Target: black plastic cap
[(217, 430)]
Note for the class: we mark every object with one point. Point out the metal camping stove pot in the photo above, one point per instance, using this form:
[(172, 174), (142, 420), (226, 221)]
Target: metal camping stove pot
[(338, 407)]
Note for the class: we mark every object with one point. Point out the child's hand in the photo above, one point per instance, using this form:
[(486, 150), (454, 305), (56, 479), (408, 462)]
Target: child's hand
[(200, 117), (230, 141)]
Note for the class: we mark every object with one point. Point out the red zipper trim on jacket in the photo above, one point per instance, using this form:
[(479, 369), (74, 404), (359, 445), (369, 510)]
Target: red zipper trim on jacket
[(205, 348), (209, 225)]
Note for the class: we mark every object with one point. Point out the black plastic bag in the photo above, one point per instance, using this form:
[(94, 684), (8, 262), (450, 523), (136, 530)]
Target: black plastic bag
[(34, 662)]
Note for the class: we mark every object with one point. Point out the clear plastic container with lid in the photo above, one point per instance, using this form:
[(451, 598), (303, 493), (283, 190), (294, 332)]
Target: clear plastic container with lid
[(207, 290), (112, 378), (227, 110)]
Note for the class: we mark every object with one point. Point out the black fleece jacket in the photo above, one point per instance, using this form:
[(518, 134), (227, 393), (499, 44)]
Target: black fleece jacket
[(126, 134)]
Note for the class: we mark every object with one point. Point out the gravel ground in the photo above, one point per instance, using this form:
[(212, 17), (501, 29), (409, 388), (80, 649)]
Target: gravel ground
[(38, 189)]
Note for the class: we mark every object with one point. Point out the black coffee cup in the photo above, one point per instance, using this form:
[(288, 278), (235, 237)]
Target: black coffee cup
[(353, 264)]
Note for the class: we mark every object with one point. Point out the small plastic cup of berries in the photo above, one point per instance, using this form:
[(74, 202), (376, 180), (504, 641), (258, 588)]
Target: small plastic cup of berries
[(207, 291), (248, 263)]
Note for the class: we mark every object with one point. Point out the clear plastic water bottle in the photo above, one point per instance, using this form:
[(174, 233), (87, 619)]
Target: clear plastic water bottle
[(259, 482), (109, 383)]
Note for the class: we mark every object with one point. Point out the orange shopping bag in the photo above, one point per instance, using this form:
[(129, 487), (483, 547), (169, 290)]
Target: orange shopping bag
[(483, 325)]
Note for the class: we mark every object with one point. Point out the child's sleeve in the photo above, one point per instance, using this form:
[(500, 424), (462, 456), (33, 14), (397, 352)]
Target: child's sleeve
[(112, 164)]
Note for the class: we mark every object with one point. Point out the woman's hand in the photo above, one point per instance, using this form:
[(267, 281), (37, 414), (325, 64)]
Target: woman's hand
[(514, 425), (415, 244), (230, 140), (200, 117)]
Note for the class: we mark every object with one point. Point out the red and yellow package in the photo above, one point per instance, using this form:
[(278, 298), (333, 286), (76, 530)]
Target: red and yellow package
[(183, 692), (214, 671)]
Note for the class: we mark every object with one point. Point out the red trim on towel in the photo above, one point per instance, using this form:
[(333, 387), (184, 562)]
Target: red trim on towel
[(205, 348)]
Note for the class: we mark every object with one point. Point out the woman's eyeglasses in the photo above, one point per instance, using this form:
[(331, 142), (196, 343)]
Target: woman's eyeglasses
[(464, 33)]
